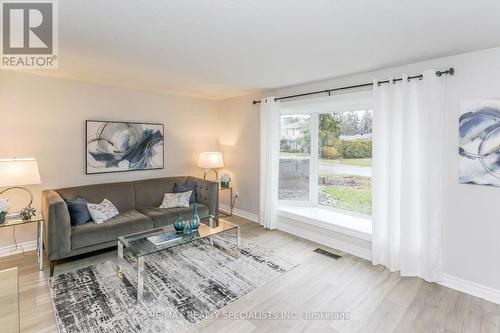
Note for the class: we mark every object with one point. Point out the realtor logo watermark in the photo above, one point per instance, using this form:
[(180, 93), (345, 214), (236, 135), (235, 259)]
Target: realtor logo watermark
[(29, 34)]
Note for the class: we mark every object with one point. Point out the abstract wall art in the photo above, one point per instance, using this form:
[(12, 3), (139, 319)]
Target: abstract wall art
[(113, 146), (479, 142)]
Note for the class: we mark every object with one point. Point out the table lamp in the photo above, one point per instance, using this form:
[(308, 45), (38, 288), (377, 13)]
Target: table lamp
[(211, 161), (17, 172)]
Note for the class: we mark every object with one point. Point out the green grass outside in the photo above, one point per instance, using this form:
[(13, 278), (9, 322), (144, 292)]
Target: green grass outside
[(351, 193), (357, 200)]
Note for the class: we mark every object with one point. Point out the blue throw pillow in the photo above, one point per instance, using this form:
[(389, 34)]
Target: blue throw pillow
[(78, 211), (185, 188)]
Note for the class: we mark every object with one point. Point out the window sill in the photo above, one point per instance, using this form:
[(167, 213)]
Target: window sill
[(346, 224)]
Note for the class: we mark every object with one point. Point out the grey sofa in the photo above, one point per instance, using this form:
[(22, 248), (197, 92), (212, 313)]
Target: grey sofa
[(137, 203)]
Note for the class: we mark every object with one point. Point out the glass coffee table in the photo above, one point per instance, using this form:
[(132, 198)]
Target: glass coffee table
[(141, 244)]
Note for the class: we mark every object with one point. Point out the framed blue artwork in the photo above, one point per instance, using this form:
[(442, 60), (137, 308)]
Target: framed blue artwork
[(114, 146), (479, 142)]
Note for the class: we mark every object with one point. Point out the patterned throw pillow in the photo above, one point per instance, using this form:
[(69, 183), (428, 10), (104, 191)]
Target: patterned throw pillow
[(176, 200), (102, 212)]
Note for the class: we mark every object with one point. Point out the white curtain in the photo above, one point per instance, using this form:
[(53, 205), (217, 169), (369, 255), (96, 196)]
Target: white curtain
[(269, 161), (408, 169)]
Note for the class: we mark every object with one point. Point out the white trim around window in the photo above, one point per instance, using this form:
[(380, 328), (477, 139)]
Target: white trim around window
[(362, 100)]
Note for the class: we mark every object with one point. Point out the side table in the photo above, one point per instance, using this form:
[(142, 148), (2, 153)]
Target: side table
[(231, 201), (12, 222)]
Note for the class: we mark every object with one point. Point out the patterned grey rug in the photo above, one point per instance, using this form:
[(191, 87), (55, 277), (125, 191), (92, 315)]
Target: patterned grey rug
[(182, 286)]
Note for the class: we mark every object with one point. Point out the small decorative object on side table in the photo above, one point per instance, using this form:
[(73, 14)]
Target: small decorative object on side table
[(225, 180), (4, 208)]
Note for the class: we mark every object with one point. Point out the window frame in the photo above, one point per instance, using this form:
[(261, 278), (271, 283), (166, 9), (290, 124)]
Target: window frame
[(348, 102)]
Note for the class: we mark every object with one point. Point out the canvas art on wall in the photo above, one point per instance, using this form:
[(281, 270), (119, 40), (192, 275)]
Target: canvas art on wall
[(123, 146), (479, 142)]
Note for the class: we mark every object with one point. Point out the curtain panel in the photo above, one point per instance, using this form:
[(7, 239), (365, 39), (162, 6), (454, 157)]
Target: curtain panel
[(408, 170), (269, 161)]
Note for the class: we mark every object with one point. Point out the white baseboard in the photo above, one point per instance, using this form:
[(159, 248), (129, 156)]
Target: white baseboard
[(241, 213), (10, 250), (327, 241), (471, 288)]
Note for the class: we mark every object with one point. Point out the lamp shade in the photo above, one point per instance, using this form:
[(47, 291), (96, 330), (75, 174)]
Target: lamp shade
[(211, 160), (19, 171)]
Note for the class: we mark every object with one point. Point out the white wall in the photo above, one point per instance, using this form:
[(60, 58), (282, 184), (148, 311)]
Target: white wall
[(472, 225), (45, 117)]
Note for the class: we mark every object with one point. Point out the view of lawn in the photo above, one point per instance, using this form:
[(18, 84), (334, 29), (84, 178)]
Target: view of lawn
[(350, 161), (347, 161), (348, 192)]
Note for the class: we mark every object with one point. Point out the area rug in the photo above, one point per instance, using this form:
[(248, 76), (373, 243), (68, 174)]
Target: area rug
[(182, 286)]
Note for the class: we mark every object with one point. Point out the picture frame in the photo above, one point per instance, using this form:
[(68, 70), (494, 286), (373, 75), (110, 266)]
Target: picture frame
[(120, 146)]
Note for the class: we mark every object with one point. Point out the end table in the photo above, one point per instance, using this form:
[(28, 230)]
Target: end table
[(12, 222), (231, 201)]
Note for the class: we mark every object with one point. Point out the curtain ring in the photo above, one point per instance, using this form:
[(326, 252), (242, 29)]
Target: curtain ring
[(379, 83), (421, 77), (394, 81)]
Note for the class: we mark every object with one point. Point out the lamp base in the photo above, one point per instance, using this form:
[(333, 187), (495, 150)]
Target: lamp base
[(215, 171), (25, 213)]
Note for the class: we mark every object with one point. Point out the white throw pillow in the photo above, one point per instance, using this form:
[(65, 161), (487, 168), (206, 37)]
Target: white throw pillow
[(102, 212), (176, 200)]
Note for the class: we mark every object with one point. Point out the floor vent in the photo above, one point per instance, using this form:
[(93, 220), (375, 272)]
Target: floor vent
[(329, 254)]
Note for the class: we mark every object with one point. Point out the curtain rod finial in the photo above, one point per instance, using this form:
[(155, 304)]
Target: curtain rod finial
[(450, 71)]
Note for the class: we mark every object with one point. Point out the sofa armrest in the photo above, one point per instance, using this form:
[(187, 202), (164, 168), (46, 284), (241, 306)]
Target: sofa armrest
[(57, 225), (207, 193)]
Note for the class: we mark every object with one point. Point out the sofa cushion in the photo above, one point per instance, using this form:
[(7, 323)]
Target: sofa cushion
[(78, 211), (149, 192), (103, 211), (126, 223), (120, 194), (166, 216), (186, 188)]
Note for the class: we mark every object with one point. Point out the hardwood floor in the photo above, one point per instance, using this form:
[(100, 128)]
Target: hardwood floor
[(376, 299)]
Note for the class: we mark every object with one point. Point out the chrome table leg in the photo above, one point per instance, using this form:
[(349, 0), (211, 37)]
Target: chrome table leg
[(140, 277), (40, 244), (238, 241), (119, 262)]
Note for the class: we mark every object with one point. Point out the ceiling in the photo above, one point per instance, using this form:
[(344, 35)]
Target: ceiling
[(224, 48)]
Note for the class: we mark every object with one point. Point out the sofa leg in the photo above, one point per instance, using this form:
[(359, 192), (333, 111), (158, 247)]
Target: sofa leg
[(52, 264)]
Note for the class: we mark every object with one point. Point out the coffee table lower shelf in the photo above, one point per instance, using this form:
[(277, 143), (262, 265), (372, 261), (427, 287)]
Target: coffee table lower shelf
[(138, 245)]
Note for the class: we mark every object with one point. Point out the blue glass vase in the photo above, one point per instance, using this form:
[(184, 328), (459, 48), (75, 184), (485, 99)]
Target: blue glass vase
[(179, 224), (194, 223)]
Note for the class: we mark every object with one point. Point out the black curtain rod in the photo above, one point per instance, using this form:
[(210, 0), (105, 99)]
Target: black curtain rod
[(450, 71)]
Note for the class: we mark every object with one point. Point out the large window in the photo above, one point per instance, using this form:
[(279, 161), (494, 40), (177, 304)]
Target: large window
[(325, 159)]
